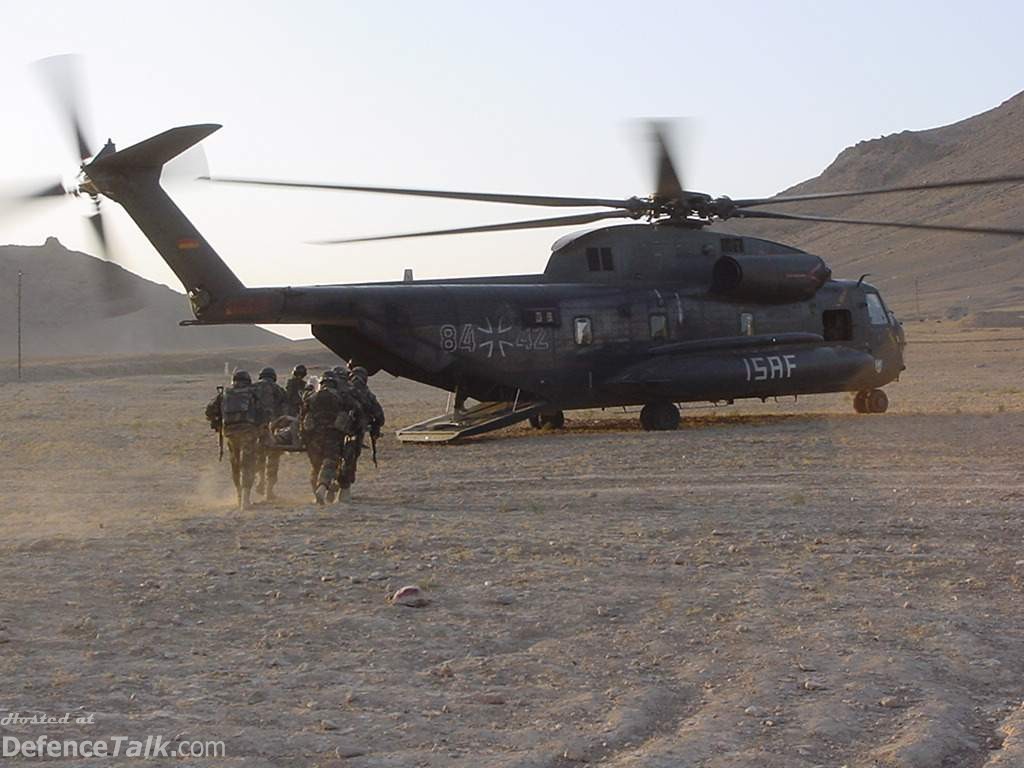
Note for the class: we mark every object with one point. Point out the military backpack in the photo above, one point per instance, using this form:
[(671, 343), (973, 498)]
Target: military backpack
[(239, 409)]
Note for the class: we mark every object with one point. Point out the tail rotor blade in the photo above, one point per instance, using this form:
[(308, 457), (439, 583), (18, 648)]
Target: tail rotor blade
[(60, 75)]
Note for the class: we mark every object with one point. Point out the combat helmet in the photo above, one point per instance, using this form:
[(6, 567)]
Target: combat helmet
[(268, 373), (359, 373), (241, 378), (329, 379), (299, 371)]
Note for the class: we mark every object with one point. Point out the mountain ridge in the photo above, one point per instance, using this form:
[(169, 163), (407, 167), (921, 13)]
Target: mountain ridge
[(67, 310), (942, 272)]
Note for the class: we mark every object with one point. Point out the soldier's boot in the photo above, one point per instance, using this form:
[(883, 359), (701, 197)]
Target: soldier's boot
[(345, 494), (321, 494), (246, 500), (260, 486), (238, 497), (271, 496)]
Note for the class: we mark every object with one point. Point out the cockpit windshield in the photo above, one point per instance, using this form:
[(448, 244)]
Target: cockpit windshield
[(876, 310)]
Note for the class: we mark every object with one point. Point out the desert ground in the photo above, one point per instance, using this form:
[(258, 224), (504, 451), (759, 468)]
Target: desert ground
[(778, 584)]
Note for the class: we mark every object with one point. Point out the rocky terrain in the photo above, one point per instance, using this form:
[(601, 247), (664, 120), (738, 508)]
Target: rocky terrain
[(74, 304), (779, 584), (942, 273)]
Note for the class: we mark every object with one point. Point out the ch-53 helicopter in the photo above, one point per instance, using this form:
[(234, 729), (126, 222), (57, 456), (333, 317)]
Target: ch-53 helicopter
[(651, 313)]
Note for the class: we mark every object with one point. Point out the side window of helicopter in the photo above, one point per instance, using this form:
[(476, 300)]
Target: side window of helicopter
[(600, 260), (837, 325), (876, 312), (582, 331), (746, 324), (659, 326)]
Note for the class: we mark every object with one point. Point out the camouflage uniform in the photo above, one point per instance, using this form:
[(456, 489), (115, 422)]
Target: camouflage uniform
[(327, 418), (240, 433), (273, 402), (372, 421), (294, 388)]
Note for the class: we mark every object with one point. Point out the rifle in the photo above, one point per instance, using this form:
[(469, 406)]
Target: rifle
[(220, 432), (373, 443)]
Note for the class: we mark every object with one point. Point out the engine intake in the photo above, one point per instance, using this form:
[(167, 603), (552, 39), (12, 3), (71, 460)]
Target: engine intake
[(770, 279)]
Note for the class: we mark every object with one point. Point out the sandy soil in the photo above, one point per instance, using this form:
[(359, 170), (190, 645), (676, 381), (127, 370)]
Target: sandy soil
[(772, 585)]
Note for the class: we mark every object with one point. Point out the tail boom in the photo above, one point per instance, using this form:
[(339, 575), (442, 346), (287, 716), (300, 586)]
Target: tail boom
[(131, 177)]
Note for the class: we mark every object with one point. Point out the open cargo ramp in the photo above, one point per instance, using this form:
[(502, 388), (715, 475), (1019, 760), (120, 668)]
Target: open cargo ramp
[(481, 418)]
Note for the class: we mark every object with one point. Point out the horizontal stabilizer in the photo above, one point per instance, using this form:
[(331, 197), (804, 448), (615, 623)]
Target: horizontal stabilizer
[(157, 150)]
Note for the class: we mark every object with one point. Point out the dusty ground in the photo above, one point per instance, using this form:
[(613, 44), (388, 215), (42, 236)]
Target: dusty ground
[(773, 585)]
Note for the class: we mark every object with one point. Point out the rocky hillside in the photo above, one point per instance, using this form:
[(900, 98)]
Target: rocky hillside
[(67, 311), (953, 273)]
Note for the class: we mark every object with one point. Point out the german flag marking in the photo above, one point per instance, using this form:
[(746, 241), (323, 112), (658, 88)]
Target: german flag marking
[(188, 244)]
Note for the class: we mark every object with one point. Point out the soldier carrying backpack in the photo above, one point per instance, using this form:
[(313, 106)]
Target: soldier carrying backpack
[(235, 414)]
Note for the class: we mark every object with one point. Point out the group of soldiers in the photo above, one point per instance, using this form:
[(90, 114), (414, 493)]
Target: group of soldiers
[(328, 419)]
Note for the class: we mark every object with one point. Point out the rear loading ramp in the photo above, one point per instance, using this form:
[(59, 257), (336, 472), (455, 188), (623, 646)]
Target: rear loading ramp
[(481, 418)]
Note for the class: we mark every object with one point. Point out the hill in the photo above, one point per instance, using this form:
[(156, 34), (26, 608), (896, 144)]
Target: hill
[(66, 310), (953, 273)]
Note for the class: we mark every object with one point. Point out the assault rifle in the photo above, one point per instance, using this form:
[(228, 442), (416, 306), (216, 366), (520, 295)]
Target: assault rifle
[(220, 432)]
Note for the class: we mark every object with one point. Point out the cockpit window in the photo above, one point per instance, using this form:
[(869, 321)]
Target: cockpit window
[(876, 312)]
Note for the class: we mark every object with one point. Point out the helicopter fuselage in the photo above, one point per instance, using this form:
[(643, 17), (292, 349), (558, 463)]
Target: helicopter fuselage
[(622, 316)]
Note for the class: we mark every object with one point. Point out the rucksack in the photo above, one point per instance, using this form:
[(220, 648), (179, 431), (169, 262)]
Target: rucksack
[(239, 409)]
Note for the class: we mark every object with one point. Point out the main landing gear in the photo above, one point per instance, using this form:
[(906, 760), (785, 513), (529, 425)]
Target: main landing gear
[(554, 420), (871, 401), (659, 417)]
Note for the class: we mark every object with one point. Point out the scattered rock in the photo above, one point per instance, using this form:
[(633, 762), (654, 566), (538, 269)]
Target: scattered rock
[(328, 725), (890, 702), (256, 697), (377, 576), (491, 698), (348, 751), (410, 596), (810, 684), (752, 711)]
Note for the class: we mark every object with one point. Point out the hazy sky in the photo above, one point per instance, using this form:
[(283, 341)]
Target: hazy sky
[(531, 97)]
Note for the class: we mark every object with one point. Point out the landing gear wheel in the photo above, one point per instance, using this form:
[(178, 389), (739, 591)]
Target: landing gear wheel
[(554, 420), (871, 401), (535, 421), (860, 404), (659, 417), (877, 401)]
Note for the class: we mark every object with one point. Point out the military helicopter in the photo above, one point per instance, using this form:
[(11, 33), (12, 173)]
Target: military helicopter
[(650, 313)]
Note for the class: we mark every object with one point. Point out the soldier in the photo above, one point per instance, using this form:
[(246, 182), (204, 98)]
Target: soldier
[(235, 414), (328, 417), (294, 388), (372, 421), (273, 401)]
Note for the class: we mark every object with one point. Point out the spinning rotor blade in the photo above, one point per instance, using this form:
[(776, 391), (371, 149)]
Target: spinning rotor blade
[(747, 202), (60, 75), (559, 221), (14, 199), (96, 223), (667, 183), (486, 197), (743, 214)]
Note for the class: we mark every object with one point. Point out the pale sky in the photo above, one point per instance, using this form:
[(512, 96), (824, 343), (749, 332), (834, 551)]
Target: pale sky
[(527, 97)]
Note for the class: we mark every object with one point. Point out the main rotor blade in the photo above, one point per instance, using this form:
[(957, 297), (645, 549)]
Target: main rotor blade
[(753, 201), (667, 182), (861, 222), (559, 221), (485, 197), (60, 74)]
